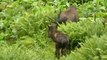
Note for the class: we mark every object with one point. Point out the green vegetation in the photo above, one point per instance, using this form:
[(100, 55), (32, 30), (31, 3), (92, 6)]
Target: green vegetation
[(24, 35)]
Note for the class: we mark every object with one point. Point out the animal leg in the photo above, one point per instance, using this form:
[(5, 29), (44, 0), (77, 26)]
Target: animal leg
[(57, 52), (64, 50)]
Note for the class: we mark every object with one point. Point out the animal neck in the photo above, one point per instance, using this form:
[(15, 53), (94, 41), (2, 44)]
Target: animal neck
[(53, 34)]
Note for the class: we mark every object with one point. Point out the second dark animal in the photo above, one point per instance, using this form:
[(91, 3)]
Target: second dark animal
[(69, 15), (61, 40)]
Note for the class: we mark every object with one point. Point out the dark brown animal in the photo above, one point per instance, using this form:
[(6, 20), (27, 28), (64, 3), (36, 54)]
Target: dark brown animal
[(61, 40), (69, 15)]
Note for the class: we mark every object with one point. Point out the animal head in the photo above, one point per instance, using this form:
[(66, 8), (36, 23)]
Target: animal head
[(52, 28)]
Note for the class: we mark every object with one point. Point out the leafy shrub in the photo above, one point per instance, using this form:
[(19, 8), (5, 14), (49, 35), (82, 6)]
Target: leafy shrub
[(93, 49), (84, 28), (19, 20), (94, 8), (25, 22), (20, 52)]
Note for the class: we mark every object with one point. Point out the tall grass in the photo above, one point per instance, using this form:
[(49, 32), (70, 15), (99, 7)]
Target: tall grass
[(25, 22)]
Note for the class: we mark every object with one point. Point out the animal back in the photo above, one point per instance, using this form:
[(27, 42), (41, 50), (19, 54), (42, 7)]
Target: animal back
[(61, 38)]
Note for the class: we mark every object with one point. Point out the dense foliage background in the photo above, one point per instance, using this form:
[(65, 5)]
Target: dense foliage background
[(23, 29)]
